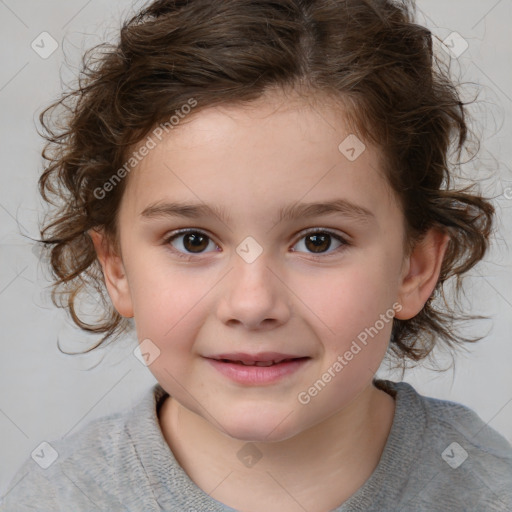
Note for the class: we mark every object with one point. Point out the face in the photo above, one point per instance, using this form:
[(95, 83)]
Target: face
[(265, 271)]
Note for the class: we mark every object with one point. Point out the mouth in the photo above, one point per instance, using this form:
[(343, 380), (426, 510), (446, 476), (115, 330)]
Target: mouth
[(260, 359), (261, 363), (258, 369)]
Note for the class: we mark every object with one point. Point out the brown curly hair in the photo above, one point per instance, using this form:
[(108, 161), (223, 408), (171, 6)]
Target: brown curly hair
[(370, 54)]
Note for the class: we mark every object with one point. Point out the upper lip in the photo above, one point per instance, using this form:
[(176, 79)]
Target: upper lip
[(254, 358)]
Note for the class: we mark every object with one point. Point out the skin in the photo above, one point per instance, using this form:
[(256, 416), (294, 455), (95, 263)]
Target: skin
[(251, 161)]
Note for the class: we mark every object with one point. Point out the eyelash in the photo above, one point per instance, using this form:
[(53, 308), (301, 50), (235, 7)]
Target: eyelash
[(319, 256)]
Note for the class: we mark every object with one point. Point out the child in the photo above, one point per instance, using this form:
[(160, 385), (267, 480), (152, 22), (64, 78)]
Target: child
[(264, 188)]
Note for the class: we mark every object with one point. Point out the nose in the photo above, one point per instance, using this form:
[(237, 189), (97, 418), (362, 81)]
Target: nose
[(254, 295)]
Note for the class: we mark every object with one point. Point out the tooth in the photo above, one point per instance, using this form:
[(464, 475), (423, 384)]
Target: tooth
[(259, 363)]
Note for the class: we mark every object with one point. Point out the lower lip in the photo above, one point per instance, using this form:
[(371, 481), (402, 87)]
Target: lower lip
[(258, 374)]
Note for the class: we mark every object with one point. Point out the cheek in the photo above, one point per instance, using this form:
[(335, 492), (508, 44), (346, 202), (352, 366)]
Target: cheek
[(169, 311), (346, 308), (166, 303), (347, 300)]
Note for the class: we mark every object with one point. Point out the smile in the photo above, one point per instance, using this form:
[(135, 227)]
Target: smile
[(258, 372)]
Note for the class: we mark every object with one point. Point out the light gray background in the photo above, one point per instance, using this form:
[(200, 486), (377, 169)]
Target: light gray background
[(46, 395)]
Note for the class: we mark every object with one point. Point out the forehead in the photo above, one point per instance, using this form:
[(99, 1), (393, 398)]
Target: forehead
[(300, 114), (278, 149)]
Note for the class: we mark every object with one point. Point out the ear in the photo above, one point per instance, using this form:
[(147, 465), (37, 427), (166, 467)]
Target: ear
[(420, 273), (114, 273)]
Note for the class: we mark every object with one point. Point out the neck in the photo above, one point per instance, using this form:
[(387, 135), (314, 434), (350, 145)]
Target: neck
[(331, 460)]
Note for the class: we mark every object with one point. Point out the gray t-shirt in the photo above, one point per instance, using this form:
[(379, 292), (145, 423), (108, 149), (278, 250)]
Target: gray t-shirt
[(439, 456)]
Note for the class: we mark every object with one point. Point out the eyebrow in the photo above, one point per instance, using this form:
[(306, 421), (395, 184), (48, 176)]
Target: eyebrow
[(291, 212)]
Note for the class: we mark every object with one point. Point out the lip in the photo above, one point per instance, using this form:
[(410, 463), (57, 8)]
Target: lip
[(263, 357), (258, 375)]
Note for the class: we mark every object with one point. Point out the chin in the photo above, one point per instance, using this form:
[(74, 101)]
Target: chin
[(257, 429), (252, 435)]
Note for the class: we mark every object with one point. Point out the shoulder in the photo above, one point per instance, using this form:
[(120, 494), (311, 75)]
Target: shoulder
[(452, 421), (462, 421), (97, 467), (69, 472), (460, 460)]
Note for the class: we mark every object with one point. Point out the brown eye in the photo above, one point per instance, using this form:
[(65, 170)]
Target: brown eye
[(320, 241), (195, 242), (190, 242)]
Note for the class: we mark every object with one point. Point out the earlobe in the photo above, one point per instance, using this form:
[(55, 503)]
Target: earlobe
[(114, 273), (421, 273)]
